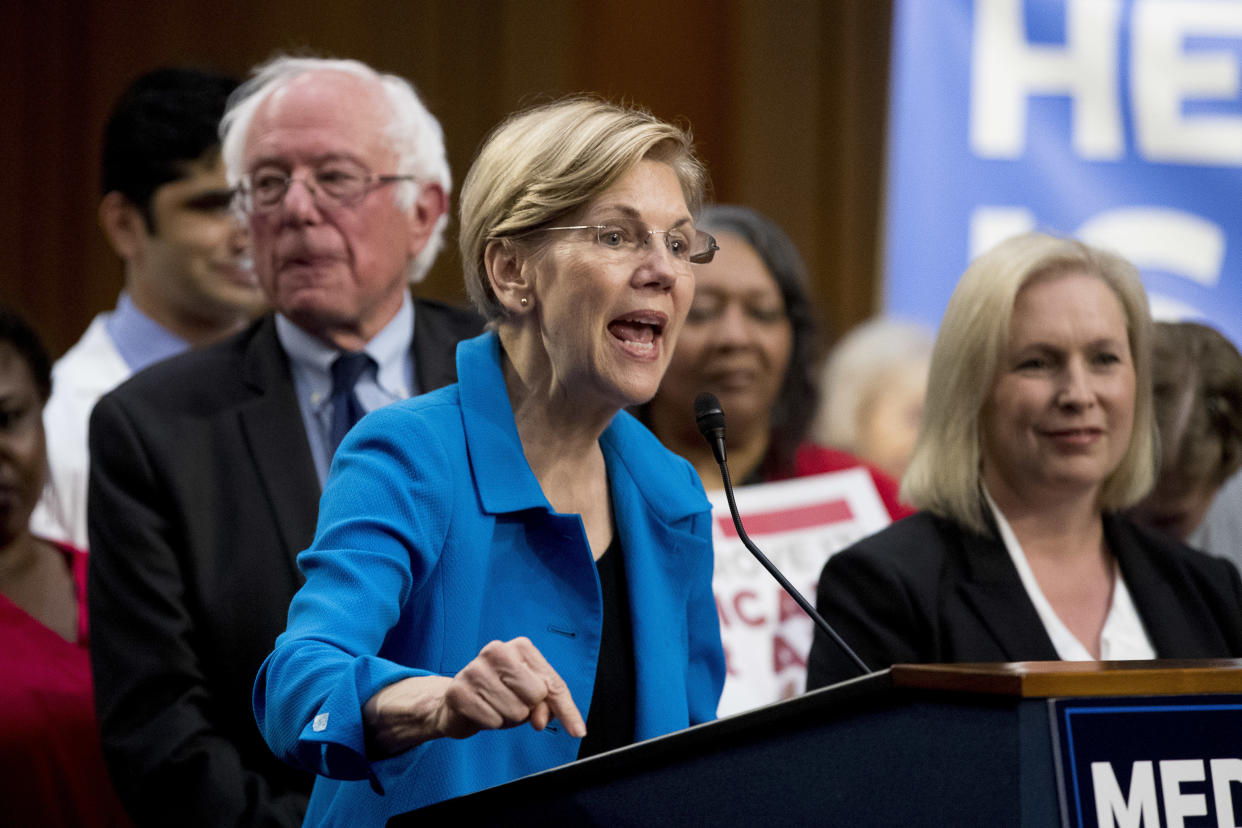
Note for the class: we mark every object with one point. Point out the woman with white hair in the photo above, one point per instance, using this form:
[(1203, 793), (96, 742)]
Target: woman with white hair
[(872, 392), (1037, 431), (512, 572)]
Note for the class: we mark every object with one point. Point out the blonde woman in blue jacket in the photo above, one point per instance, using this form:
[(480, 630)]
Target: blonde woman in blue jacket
[(513, 563)]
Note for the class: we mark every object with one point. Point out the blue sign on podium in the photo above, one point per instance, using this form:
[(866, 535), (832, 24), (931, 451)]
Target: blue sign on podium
[(1149, 762)]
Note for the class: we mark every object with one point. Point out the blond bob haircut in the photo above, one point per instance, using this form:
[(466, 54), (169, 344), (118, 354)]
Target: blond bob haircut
[(541, 164), (944, 472)]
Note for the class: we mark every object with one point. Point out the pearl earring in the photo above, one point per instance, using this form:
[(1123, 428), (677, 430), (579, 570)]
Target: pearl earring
[(525, 301)]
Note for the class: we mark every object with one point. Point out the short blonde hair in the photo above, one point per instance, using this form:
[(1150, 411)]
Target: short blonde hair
[(943, 476), (541, 164)]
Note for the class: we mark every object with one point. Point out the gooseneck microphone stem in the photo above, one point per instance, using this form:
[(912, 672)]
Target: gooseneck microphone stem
[(710, 419)]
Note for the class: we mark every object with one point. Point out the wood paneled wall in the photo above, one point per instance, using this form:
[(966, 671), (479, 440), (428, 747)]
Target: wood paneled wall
[(786, 98)]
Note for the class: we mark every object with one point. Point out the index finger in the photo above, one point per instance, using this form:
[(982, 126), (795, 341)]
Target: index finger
[(559, 700)]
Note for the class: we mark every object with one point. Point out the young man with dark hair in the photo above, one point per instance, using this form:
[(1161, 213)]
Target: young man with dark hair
[(165, 209)]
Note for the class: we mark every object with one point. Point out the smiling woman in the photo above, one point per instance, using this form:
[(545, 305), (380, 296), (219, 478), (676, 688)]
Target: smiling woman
[(1037, 431), (1061, 413), (751, 339), (498, 531)]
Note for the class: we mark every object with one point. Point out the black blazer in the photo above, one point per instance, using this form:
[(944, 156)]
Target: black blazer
[(926, 590), (202, 493)]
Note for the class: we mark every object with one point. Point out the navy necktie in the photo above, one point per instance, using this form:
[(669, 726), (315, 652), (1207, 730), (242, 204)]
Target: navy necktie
[(346, 410)]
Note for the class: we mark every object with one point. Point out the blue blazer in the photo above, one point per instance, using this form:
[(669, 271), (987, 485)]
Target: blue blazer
[(434, 538)]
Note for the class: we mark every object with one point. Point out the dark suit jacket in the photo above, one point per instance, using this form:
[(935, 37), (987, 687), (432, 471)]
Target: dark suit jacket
[(202, 493), (925, 590)]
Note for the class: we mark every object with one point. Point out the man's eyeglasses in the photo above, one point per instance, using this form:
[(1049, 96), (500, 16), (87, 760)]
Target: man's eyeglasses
[(336, 183), (628, 238)]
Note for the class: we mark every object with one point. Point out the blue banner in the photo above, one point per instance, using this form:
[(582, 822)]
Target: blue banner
[(1115, 121)]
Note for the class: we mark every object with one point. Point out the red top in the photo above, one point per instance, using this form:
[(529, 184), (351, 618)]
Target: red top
[(813, 459), (51, 767)]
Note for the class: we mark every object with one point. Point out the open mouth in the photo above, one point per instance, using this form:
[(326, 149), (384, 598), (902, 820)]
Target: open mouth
[(640, 330)]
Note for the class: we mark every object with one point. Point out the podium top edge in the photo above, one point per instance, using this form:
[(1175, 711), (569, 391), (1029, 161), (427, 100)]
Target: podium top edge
[(1044, 679)]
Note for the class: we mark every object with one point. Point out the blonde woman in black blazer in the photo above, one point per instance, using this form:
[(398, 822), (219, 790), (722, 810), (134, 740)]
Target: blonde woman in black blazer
[(1037, 431)]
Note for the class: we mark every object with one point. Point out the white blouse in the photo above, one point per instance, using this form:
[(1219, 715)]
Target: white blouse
[(1123, 637)]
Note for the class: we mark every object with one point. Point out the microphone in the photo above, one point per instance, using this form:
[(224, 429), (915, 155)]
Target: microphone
[(710, 418)]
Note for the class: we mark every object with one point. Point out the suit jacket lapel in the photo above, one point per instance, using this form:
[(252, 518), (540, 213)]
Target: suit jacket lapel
[(994, 590), (433, 349), (1154, 592), (275, 437)]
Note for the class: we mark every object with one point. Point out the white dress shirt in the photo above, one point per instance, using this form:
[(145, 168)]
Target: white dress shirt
[(1123, 637)]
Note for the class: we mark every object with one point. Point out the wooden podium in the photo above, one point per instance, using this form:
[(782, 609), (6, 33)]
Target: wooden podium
[(966, 744)]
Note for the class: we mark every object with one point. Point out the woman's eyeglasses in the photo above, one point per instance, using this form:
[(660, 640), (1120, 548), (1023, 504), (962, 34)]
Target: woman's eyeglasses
[(630, 238)]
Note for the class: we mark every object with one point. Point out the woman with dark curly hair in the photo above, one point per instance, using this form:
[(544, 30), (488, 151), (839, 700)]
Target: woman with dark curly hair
[(751, 339)]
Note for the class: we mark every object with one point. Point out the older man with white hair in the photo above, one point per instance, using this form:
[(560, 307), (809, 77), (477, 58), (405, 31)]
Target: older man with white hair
[(206, 469)]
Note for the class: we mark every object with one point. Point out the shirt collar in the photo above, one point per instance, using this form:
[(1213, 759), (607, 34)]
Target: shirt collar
[(668, 484), (491, 433), (390, 348), (1123, 636), (312, 358), (139, 339)]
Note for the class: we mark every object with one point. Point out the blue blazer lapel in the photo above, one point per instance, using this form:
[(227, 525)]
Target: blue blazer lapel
[(656, 521), (659, 569)]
